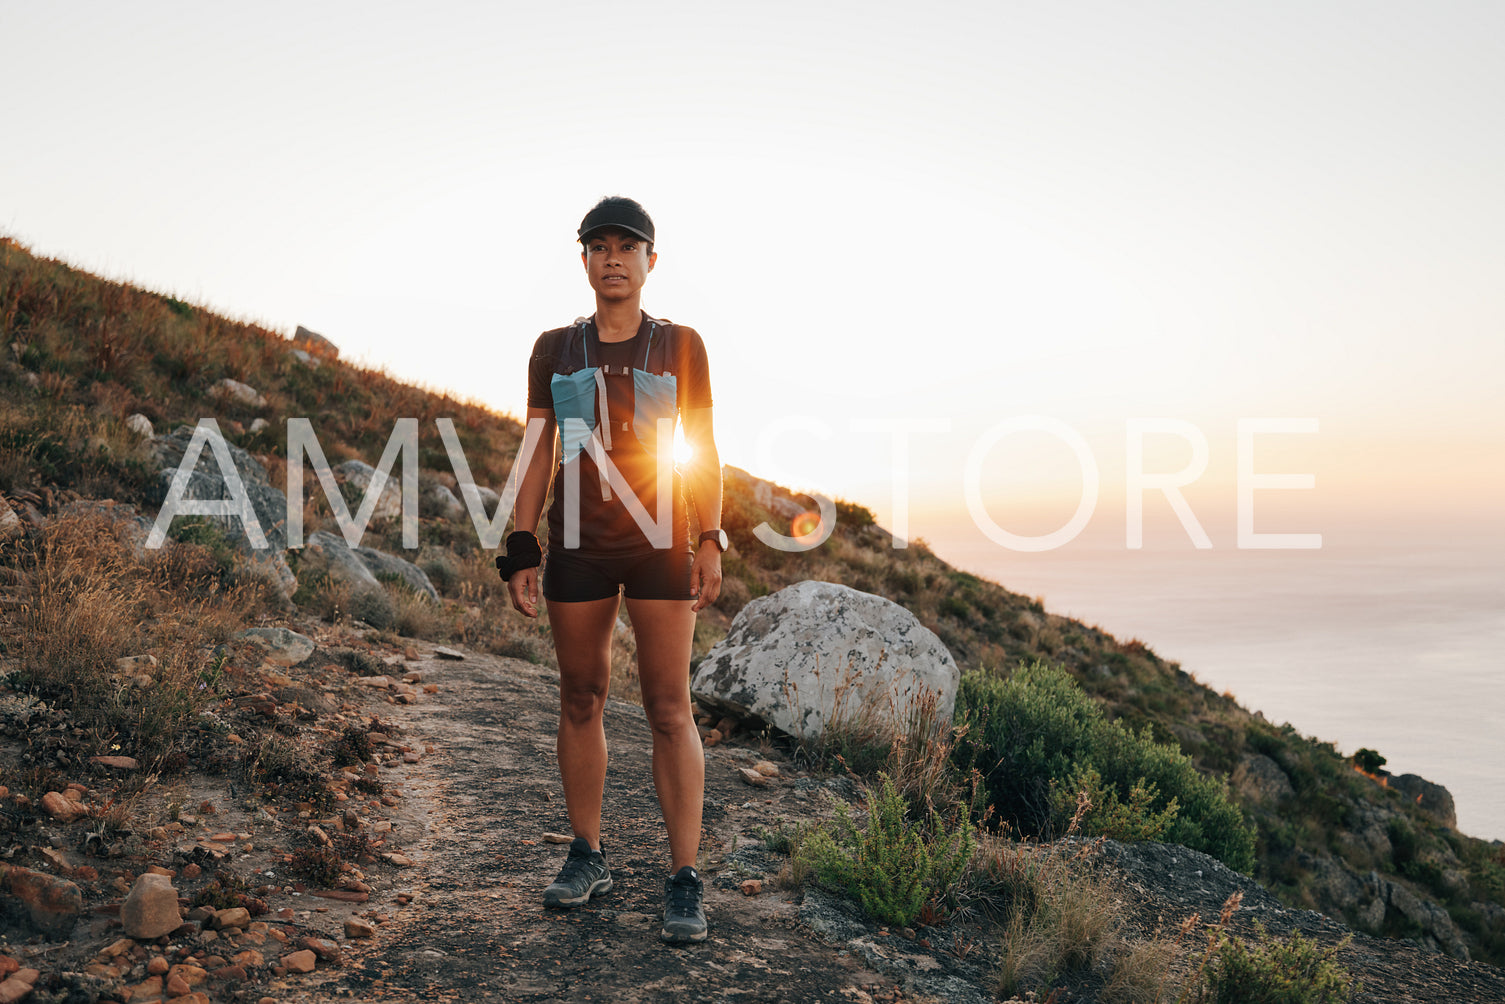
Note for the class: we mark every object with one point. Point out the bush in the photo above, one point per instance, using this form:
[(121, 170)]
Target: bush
[(374, 606), (892, 868), (1368, 760), (1036, 738), (1275, 971)]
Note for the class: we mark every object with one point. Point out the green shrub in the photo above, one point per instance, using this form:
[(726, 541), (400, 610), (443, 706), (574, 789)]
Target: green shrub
[(1035, 735), (892, 868), (1276, 971), (374, 606), (1368, 760), (1104, 814)]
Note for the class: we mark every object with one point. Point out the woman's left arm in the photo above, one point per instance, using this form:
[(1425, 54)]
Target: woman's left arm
[(703, 479)]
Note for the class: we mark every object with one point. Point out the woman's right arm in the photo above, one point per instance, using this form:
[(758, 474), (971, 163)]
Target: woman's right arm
[(532, 489)]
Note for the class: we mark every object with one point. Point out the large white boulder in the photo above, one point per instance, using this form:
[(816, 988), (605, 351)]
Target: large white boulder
[(815, 653)]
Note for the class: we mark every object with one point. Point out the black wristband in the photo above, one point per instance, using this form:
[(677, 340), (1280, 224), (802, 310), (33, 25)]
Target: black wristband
[(522, 552)]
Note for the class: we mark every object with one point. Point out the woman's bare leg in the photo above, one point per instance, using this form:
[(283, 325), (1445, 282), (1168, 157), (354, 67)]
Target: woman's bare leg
[(582, 642), (665, 630)]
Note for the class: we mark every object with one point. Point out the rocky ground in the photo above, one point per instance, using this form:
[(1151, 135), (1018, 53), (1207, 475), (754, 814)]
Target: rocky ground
[(442, 900)]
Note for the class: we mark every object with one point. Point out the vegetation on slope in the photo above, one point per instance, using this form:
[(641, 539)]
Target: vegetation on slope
[(82, 354)]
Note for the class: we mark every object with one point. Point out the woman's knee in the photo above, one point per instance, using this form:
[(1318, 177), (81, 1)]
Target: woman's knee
[(582, 703), (669, 714)]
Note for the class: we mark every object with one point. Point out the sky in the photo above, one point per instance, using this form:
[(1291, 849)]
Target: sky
[(929, 248)]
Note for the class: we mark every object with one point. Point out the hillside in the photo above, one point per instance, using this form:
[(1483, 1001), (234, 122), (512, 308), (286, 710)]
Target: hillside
[(83, 355)]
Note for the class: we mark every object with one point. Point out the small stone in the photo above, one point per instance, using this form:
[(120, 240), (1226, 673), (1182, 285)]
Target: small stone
[(139, 424), (119, 947), (557, 838), (61, 808), (157, 965), (176, 986), (13, 990), (192, 870), (712, 737), (117, 762), (751, 887), (400, 860), (236, 916), (357, 928), (766, 768), (376, 682), (231, 974), (752, 777), (326, 950), (147, 989), (151, 908), (52, 903), (300, 962), (447, 653), (726, 726), (249, 959)]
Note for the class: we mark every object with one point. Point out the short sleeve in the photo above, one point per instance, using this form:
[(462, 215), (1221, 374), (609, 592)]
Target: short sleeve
[(541, 372), (694, 370)]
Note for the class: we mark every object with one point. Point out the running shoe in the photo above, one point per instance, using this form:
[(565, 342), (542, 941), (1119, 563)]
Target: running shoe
[(684, 912), (584, 875)]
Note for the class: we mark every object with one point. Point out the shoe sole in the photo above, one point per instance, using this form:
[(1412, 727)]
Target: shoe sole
[(672, 938), (599, 887)]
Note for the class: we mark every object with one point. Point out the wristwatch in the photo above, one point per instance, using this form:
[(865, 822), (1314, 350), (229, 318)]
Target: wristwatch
[(719, 536)]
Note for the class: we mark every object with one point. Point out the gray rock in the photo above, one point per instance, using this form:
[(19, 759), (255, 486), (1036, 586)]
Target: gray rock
[(151, 908), (490, 498), (1257, 778), (140, 425), (381, 564), (340, 559), (1432, 799), (1372, 914), (206, 482), (443, 503), (361, 474), (312, 341), (362, 566), (257, 425), (283, 646), (816, 653), (234, 390), (10, 523), (303, 357)]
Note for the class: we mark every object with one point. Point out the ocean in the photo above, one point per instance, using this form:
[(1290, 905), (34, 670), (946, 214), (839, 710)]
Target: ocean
[(1397, 648)]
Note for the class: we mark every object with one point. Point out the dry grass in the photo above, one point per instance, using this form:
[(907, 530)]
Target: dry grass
[(1141, 973), (88, 595)]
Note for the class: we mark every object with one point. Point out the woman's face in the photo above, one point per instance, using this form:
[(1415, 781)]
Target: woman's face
[(616, 263)]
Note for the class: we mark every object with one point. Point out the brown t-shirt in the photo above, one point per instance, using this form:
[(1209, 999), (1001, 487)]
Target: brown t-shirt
[(607, 527)]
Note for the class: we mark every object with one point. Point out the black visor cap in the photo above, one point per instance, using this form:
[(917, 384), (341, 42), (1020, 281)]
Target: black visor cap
[(621, 217)]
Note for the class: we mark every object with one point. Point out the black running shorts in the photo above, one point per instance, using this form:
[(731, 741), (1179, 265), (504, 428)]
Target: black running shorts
[(570, 577)]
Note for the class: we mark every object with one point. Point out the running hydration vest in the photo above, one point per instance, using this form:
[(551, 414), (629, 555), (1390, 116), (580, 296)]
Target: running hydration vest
[(580, 394)]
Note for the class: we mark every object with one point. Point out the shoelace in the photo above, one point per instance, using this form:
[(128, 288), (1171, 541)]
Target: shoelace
[(573, 866), (683, 896)]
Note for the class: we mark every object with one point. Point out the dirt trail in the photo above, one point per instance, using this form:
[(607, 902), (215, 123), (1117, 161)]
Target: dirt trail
[(473, 818), (477, 809)]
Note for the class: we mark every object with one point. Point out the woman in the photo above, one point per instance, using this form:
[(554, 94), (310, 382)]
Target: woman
[(612, 384)]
